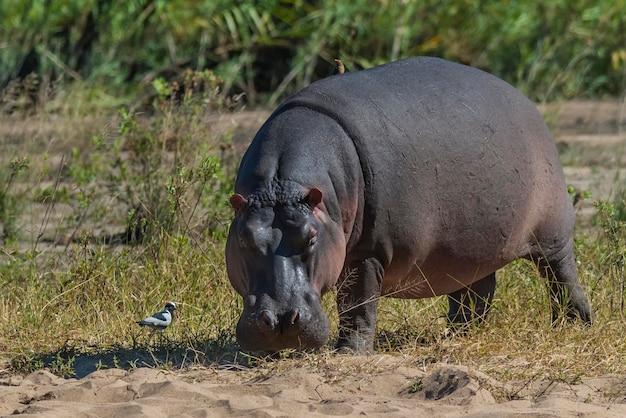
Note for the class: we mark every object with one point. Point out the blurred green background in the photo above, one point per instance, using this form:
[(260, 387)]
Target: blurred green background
[(267, 49)]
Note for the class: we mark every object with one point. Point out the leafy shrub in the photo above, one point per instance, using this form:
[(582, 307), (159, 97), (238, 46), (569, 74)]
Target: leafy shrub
[(550, 50)]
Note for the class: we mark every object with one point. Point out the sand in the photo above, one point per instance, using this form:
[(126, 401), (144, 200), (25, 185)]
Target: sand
[(373, 386)]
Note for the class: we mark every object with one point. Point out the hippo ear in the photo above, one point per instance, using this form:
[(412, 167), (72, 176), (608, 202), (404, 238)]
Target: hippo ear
[(238, 202), (314, 197)]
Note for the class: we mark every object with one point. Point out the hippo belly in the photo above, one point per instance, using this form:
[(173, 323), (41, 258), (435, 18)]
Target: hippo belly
[(413, 179)]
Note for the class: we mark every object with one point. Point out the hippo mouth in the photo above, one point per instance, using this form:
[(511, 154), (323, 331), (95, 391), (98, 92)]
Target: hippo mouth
[(263, 327)]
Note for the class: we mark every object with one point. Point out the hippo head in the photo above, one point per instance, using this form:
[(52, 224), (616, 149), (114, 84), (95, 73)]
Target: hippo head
[(282, 254)]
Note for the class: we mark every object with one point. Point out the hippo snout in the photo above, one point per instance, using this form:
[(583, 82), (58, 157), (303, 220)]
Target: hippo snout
[(288, 322), (270, 325)]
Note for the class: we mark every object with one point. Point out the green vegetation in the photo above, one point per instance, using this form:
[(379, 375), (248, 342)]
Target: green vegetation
[(550, 50)]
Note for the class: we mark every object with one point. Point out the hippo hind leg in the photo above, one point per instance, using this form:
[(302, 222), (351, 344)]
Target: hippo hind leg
[(471, 304), (566, 294)]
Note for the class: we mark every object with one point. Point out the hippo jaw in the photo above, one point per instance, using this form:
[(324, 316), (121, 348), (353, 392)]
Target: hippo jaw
[(266, 325)]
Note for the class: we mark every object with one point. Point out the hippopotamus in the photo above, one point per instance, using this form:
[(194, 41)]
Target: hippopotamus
[(413, 179)]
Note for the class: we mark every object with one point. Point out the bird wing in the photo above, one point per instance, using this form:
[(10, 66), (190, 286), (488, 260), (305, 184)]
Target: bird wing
[(160, 319)]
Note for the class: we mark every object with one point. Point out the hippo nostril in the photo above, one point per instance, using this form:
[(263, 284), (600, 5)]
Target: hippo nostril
[(295, 317), (289, 322), (268, 318)]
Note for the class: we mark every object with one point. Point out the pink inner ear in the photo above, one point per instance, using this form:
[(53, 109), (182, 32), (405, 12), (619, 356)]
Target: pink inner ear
[(314, 197), (237, 201)]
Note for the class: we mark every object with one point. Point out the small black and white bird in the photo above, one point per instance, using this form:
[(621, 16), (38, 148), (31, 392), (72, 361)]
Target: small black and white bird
[(160, 320)]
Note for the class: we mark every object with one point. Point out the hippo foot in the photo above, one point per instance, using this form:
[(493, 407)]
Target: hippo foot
[(470, 305), (355, 344), (458, 329), (569, 304), (572, 313), (345, 350)]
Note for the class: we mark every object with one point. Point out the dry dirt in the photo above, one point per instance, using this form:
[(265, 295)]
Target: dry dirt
[(381, 385), (591, 138)]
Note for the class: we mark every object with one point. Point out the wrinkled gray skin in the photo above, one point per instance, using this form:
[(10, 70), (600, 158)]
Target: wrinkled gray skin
[(413, 179)]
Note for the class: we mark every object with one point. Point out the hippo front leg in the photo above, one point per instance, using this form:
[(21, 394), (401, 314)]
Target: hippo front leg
[(357, 301), (471, 303)]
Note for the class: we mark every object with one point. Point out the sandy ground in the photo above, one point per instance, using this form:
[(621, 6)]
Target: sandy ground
[(374, 386), (353, 386)]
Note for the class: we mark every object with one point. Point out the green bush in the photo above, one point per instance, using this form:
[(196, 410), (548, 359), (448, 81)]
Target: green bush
[(551, 50)]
